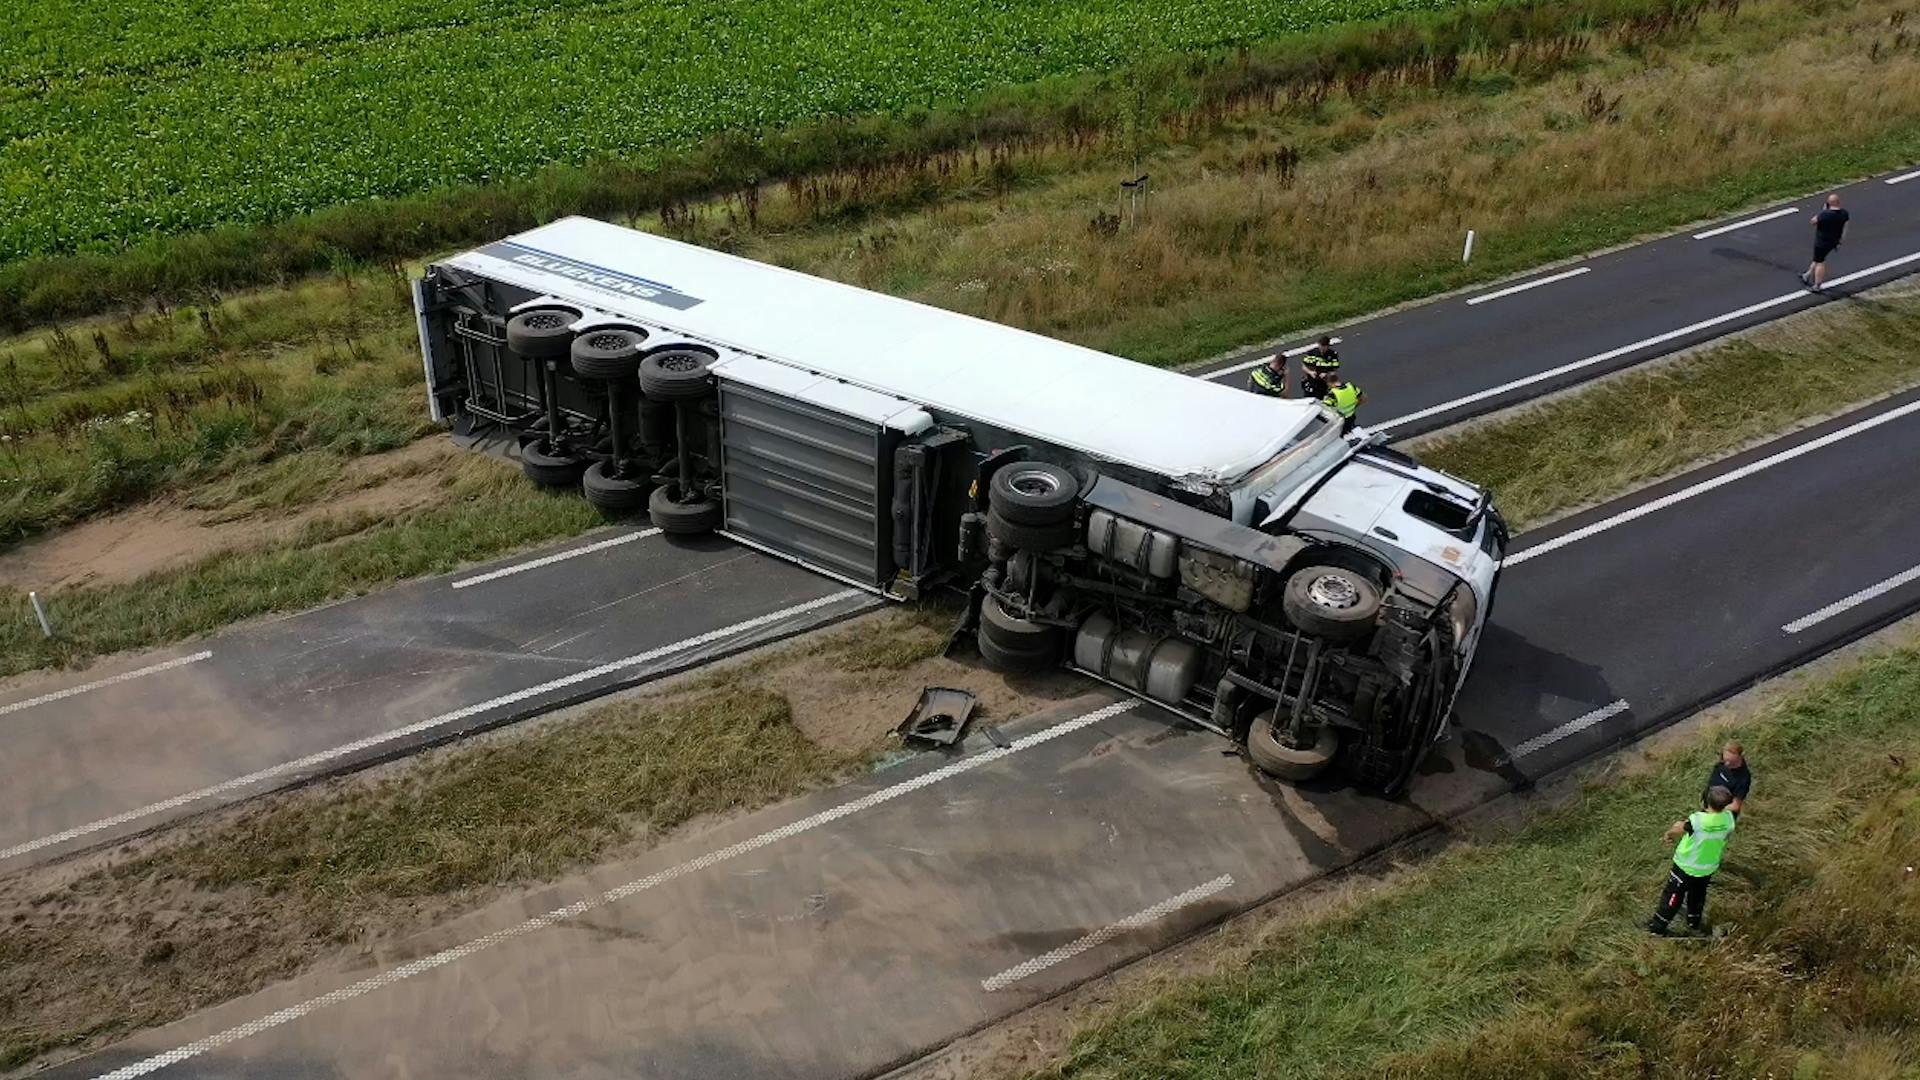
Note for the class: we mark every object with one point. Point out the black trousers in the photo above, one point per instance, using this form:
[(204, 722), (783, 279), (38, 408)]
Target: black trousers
[(1682, 887)]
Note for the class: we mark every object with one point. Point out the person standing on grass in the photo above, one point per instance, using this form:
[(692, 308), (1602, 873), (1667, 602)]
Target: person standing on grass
[(1315, 366), (1829, 226), (1344, 398), (1731, 772), (1699, 842), (1270, 377)]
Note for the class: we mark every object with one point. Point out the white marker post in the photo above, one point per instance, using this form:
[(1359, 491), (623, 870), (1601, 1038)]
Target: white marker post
[(1467, 254), (41, 612)]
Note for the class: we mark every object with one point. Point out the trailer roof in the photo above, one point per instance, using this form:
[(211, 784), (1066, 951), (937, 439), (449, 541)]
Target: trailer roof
[(1089, 401)]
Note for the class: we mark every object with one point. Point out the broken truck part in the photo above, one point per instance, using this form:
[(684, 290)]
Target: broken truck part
[(1317, 597)]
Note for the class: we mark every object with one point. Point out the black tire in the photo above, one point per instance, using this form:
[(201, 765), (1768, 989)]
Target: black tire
[(549, 469), (609, 354), (614, 494), (679, 518), (675, 374), (1332, 602), (541, 334), (1016, 635), (1277, 759), (1012, 661), (1033, 493), (1033, 537)]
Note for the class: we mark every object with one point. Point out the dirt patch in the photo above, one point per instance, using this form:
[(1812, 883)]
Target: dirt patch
[(165, 535)]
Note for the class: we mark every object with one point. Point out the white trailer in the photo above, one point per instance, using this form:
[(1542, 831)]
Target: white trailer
[(1314, 595)]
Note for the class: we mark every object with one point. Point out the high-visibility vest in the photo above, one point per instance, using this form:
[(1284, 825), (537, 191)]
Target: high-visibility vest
[(1321, 361), (1343, 399), (1698, 852), (1265, 380)]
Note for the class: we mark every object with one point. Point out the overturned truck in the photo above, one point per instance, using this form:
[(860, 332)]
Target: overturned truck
[(1314, 596)]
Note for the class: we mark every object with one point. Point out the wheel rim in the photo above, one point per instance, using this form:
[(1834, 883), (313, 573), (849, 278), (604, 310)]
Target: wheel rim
[(681, 363), (607, 342), (1333, 592), (544, 320), (1034, 483)]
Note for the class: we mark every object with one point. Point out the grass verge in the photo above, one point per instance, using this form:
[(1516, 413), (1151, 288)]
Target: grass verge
[(1525, 957)]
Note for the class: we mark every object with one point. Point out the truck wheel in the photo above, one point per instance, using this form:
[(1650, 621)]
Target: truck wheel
[(672, 515), (608, 354), (611, 493), (550, 469), (675, 374), (1040, 538), (1331, 602), (541, 334), (1033, 493), (1277, 759), (1016, 635), (1012, 661)]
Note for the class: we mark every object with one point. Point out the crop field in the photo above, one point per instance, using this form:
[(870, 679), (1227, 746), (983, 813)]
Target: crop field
[(128, 117)]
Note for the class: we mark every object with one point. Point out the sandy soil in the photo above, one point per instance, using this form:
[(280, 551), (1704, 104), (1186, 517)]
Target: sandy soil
[(164, 535)]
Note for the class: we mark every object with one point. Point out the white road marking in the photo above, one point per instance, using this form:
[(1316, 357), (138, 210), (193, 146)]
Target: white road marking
[(1572, 727), (1854, 601), (1134, 921), (506, 571), (610, 896), (288, 768), (1301, 350), (1783, 212), (1657, 339), (1902, 178), (1511, 289), (57, 695), (1705, 486)]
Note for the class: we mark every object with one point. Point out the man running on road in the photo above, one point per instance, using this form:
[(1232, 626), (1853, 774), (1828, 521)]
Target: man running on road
[(1829, 226)]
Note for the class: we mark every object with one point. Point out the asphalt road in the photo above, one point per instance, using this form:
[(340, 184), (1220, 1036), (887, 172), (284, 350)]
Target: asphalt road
[(849, 932)]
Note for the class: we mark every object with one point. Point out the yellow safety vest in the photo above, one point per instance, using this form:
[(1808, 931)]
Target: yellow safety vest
[(1698, 852), (1343, 399), (1265, 380)]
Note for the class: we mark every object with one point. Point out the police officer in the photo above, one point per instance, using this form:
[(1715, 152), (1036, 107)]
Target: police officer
[(1344, 398), (1319, 362), (1269, 378), (1702, 839)]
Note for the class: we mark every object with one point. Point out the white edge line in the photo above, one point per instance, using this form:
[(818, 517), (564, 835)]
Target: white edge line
[(323, 757), (1572, 727), (1299, 350), (1610, 354), (1849, 602), (1705, 486), (151, 669), (505, 571), (613, 895), (1783, 212), (1510, 290), (1902, 178), (1135, 921)]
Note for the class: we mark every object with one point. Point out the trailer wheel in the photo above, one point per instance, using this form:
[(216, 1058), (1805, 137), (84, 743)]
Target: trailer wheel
[(1331, 602), (1016, 635), (680, 518), (541, 334), (1033, 493), (1041, 538), (1277, 759), (1012, 661), (675, 374), (611, 493), (608, 354), (549, 469)]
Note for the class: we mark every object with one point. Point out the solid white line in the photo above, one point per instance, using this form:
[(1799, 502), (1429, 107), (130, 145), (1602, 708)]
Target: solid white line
[(1510, 290), (505, 571), (57, 695), (1657, 339), (1705, 486), (610, 896), (1853, 601), (1780, 213), (1571, 727), (324, 756), (1902, 178), (1134, 921), (1301, 350)]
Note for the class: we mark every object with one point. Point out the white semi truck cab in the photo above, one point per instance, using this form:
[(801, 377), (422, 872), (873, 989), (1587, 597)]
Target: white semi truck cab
[(1316, 596)]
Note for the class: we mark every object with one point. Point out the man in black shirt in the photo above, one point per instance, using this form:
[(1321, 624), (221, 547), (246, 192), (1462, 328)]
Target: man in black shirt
[(1731, 772), (1829, 226), (1319, 362)]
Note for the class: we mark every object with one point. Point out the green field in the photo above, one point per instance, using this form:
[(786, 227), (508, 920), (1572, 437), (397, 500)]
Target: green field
[(130, 117)]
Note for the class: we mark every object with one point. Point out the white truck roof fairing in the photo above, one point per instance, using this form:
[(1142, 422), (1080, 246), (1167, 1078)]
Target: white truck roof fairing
[(1101, 405)]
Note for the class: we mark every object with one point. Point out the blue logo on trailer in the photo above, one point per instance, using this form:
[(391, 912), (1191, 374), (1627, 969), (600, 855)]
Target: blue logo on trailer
[(612, 281)]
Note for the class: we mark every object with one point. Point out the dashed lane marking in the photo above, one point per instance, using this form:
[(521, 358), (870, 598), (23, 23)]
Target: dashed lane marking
[(1849, 602), (1780, 213), (1572, 727), (1301, 350), (562, 556), (1144, 917), (58, 695), (1524, 286)]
